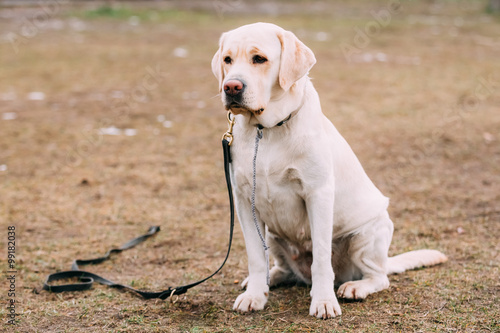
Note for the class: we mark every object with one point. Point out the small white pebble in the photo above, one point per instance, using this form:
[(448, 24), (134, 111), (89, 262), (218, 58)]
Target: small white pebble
[(130, 132), (180, 52), (382, 57), (9, 116), (134, 20), (488, 137), (322, 36), (367, 57), (110, 131), (36, 96)]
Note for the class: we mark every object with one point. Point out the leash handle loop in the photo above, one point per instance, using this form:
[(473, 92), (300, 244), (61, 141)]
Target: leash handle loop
[(87, 279)]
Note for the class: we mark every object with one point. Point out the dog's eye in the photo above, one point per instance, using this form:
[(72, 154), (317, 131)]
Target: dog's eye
[(257, 59), (228, 60)]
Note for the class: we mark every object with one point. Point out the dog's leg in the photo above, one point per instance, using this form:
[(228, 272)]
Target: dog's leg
[(255, 297), (281, 271), (368, 252), (324, 304)]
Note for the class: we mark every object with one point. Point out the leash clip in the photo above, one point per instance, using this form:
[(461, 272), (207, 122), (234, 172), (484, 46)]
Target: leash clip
[(172, 300), (228, 136)]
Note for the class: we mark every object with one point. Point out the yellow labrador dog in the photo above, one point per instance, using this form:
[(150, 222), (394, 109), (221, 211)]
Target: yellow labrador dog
[(324, 221)]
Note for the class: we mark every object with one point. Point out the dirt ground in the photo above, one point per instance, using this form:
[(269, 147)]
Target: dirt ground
[(110, 122)]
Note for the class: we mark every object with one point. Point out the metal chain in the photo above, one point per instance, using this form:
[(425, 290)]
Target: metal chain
[(254, 215)]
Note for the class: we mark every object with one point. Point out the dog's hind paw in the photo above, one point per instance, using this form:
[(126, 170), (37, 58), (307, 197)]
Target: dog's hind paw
[(353, 290), (361, 288), (244, 284), (279, 275)]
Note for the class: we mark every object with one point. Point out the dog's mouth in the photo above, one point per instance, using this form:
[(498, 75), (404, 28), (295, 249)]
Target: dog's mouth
[(237, 108)]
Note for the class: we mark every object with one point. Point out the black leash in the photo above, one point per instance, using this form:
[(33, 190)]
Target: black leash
[(86, 279)]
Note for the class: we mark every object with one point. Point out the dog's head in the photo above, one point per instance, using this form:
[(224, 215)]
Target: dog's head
[(258, 63)]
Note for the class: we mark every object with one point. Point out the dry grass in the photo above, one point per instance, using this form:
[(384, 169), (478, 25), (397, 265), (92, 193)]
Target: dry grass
[(425, 130)]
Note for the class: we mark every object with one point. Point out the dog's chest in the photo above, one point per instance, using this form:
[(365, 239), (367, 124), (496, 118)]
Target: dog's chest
[(278, 192)]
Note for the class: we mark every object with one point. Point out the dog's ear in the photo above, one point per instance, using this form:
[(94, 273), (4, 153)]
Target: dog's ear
[(296, 59), (217, 64)]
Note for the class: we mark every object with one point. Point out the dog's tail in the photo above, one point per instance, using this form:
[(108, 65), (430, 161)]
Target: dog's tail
[(414, 259)]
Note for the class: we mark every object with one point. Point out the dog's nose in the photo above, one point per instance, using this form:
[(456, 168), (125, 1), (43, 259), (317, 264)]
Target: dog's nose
[(234, 87)]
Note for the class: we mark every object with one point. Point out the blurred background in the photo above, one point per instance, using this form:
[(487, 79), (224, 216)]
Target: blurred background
[(110, 121)]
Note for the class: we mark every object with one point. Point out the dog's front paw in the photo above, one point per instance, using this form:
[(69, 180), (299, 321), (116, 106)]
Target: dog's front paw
[(250, 301), (325, 307)]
